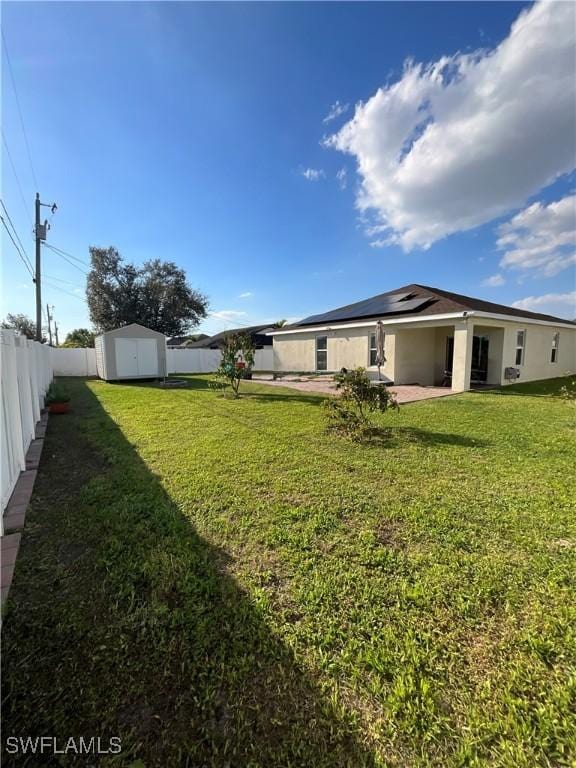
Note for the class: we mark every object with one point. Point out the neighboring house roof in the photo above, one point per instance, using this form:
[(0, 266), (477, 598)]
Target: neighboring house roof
[(257, 334), (416, 300), (186, 341)]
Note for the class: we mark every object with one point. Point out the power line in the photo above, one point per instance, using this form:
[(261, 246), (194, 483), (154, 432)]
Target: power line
[(58, 253), (17, 178), (19, 110), (19, 252), (16, 233), (59, 279), (65, 253), (62, 290)]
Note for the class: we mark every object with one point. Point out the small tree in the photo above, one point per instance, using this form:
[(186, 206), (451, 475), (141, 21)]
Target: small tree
[(349, 414), (79, 337), (236, 361), (23, 325)]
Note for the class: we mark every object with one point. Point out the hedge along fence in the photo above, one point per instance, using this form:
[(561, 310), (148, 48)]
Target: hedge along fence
[(26, 373), (82, 362)]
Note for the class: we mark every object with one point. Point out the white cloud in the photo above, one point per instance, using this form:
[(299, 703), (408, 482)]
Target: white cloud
[(228, 314), (312, 174), (246, 295), (463, 140), (560, 304), (540, 238), (494, 281), (336, 110), (342, 178)]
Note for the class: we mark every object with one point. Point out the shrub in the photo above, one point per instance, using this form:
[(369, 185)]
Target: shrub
[(349, 414), (236, 361), (57, 393)]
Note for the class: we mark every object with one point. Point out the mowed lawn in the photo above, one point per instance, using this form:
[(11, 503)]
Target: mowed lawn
[(220, 583)]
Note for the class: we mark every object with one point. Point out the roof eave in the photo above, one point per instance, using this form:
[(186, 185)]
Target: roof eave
[(421, 319)]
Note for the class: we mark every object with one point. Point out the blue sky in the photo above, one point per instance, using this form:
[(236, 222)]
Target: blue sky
[(198, 133)]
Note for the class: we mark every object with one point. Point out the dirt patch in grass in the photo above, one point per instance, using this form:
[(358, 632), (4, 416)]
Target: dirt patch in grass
[(390, 534)]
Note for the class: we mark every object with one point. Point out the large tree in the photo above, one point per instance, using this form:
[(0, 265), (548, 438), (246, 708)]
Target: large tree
[(22, 324), (156, 295), (79, 337)]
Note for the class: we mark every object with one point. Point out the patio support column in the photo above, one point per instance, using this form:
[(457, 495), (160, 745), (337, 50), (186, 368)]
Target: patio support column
[(462, 362)]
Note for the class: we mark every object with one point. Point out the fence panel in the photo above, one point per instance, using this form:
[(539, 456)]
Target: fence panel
[(208, 360), (192, 360), (74, 361), (26, 372), (82, 362)]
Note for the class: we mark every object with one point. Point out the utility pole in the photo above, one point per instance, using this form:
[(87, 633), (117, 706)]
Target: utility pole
[(37, 278), (40, 234), (49, 325), (56, 333)]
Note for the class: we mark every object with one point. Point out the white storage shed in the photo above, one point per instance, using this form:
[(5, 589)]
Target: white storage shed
[(131, 352)]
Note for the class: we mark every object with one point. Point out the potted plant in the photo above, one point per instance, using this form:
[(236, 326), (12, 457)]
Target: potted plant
[(57, 398)]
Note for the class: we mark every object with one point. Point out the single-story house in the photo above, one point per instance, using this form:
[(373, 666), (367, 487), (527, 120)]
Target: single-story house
[(258, 334), (432, 337)]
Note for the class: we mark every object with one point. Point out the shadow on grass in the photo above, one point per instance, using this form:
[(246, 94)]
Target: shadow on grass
[(550, 388), (199, 384), (392, 437), (123, 621)]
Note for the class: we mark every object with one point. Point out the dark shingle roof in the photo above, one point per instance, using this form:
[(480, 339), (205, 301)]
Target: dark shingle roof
[(417, 300), (257, 334)]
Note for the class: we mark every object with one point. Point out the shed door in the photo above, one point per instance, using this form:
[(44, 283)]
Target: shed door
[(147, 357), (126, 358)]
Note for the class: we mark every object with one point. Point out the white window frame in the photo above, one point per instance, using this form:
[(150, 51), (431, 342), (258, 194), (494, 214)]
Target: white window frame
[(555, 348), (521, 347), (325, 351), (371, 349)]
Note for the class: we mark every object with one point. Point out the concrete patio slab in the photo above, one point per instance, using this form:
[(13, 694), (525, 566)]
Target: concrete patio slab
[(405, 393)]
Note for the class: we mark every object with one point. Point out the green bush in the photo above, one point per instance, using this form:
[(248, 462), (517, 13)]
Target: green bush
[(236, 362), (57, 393), (349, 414)]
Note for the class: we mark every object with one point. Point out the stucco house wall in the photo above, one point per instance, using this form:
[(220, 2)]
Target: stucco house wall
[(538, 349), (347, 348), (415, 350), (417, 353)]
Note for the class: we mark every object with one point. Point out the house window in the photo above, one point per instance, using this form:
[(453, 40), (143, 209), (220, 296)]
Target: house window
[(520, 347), (321, 353), (554, 353), (373, 351)]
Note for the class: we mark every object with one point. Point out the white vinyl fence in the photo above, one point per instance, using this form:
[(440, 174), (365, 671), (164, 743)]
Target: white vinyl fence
[(208, 360), (82, 362), (26, 372), (73, 362), (192, 360)]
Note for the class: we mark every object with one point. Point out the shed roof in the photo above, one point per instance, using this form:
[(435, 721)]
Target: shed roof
[(124, 330)]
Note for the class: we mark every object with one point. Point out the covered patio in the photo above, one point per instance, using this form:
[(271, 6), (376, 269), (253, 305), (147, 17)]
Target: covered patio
[(457, 356)]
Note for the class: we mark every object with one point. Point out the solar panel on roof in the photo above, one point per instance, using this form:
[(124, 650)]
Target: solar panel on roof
[(379, 306), (399, 296)]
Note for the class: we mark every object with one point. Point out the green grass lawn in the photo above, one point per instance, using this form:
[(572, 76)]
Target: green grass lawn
[(220, 583)]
